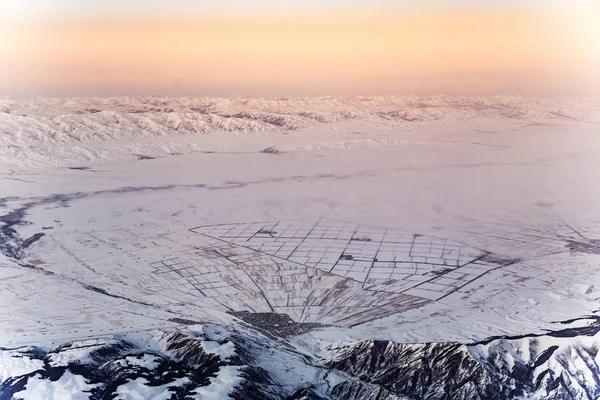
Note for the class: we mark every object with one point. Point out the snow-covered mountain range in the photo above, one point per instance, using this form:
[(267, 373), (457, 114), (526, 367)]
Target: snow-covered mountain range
[(218, 362), (73, 131)]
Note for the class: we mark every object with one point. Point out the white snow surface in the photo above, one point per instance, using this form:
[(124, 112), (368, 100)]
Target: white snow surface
[(68, 386), (220, 386), (224, 351), (12, 364), (139, 389), (148, 361)]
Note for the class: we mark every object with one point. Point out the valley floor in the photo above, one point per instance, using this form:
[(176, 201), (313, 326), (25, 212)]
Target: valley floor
[(458, 230)]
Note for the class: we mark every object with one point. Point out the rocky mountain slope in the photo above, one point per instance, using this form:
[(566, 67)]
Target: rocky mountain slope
[(217, 362)]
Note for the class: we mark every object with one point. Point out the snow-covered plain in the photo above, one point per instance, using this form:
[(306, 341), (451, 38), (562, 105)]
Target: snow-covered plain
[(99, 197)]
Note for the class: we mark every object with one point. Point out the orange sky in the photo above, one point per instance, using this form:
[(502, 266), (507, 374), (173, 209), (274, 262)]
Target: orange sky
[(499, 51)]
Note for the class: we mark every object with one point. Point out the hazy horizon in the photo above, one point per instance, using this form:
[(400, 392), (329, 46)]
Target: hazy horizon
[(290, 49)]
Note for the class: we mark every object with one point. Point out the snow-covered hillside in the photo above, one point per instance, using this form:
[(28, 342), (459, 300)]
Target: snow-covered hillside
[(96, 130)]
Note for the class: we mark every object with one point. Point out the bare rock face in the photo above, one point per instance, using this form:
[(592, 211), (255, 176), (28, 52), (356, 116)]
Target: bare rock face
[(427, 371)]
